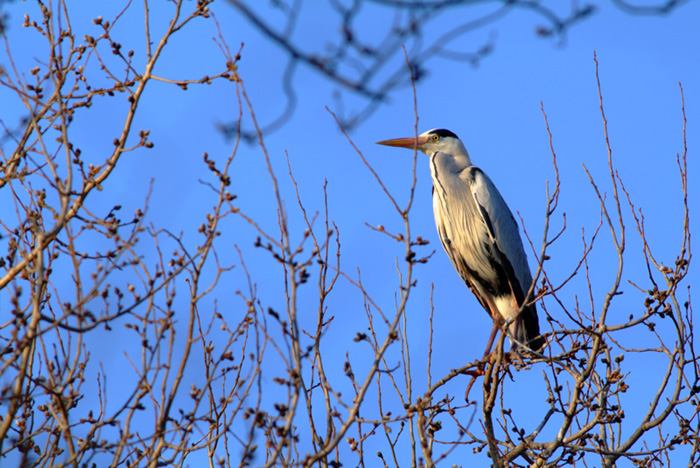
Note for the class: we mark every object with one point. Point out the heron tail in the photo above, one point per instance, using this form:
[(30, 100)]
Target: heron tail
[(527, 330)]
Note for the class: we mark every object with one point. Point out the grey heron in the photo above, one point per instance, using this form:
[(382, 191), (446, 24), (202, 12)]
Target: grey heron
[(480, 236)]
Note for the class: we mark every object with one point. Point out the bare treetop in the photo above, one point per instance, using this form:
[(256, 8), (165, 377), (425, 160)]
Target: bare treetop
[(238, 327)]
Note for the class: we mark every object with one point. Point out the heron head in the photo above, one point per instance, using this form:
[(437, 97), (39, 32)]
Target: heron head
[(437, 139)]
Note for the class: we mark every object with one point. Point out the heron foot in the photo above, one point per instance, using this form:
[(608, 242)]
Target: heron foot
[(478, 372)]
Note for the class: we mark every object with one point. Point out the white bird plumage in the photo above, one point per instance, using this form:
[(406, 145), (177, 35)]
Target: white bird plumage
[(479, 234)]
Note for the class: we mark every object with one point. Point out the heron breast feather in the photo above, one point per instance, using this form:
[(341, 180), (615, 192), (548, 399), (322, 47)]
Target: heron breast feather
[(465, 232)]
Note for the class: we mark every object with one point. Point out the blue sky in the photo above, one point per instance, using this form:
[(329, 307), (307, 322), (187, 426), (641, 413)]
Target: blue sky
[(494, 108)]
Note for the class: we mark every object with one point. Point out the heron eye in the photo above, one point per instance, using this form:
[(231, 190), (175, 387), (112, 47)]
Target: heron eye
[(436, 137)]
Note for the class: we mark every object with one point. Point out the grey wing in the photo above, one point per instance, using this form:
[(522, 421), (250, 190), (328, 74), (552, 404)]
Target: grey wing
[(501, 226)]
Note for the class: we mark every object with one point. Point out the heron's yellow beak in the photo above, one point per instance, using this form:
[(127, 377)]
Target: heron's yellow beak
[(410, 143)]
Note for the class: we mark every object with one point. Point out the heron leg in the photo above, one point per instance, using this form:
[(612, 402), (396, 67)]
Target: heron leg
[(489, 344), (514, 347), (480, 371)]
